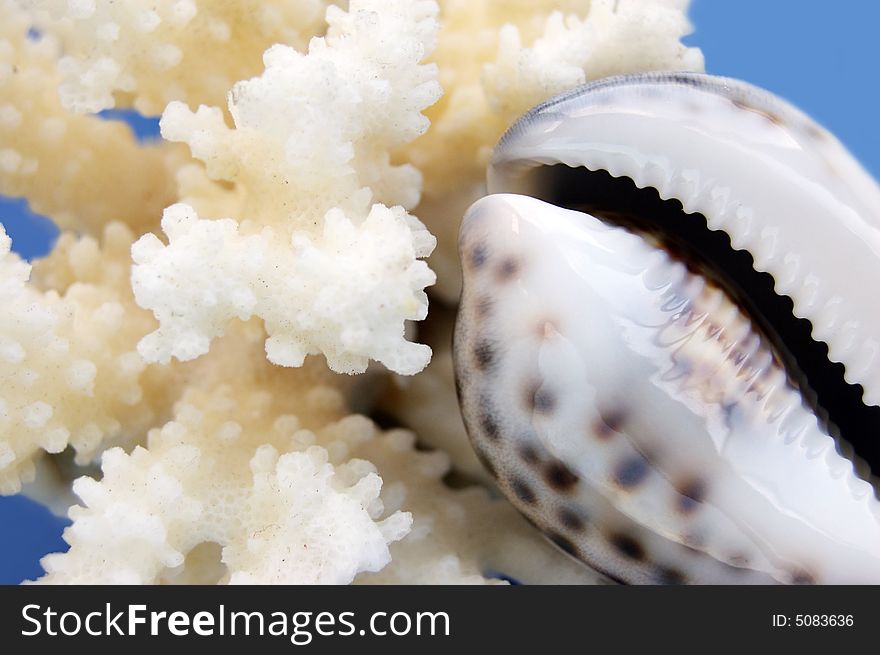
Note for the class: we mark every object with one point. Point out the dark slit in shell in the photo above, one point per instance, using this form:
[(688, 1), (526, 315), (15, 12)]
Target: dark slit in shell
[(708, 252)]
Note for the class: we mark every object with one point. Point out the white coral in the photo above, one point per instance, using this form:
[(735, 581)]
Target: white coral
[(287, 516), (574, 49), (344, 294), (327, 271)]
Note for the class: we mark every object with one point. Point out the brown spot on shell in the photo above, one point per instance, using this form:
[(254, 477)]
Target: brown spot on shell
[(479, 255), (559, 476), (544, 401), (539, 399), (670, 576), (691, 495), (529, 455), (627, 546), (507, 269), (564, 543), (484, 355), (631, 472), (482, 308), (571, 519), (815, 132), (802, 577), (523, 491), (490, 427), (608, 424)]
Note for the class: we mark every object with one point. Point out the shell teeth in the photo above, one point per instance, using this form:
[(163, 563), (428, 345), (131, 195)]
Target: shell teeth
[(746, 351), (661, 273), (739, 227), (668, 181), (808, 296), (847, 336), (796, 431), (846, 343), (766, 247), (826, 322), (654, 174), (787, 278), (689, 190), (719, 198), (838, 466), (674, 303), (865, 370), (715, 202), (817, 444)]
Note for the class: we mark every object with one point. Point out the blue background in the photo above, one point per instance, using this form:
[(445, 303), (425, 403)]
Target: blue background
[(819, 55)]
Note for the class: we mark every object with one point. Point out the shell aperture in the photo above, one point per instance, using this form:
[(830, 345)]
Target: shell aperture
[(624, 402)]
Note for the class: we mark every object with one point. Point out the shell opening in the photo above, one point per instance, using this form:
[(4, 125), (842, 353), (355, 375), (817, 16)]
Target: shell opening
[(619, 201)]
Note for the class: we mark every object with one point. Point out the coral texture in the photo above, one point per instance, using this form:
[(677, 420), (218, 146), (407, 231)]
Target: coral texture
[(328, 267), (160, 354), (80, 171), (147, 53), (69, 370)]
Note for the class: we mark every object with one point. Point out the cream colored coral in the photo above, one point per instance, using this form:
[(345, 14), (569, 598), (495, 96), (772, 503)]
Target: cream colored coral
[(147, 52), (316, 255), (79, 170), (69, 372), (499, 58), (230, 471), (427, 403)]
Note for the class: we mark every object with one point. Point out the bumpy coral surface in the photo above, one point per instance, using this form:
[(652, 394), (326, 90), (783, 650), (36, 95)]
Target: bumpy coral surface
[(149, 53), (69, 370), (80, 171), (163, 348), (317, 255), (260, 487)]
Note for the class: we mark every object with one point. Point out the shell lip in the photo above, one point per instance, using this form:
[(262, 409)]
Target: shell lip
[(620, 202), (739, 92)]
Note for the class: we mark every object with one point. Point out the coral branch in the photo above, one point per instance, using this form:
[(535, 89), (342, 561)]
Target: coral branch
[(325, 268), (343, 293)]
